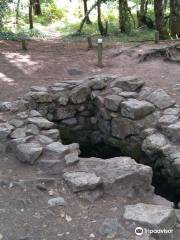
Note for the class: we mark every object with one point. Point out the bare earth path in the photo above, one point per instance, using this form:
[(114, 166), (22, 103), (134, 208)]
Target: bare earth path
[(53, 60)]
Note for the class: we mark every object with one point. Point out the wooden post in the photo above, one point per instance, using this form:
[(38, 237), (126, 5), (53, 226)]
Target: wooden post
[(100, 52), (156, 40), (24, 45), (89, 40)]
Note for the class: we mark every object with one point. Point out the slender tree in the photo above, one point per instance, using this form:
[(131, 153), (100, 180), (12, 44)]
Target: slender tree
[(160, 19), (102, 29), (31, 14), (175, 18), (88, 21)]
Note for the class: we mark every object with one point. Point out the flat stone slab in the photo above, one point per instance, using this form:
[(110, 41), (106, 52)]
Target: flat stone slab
[(129, 83), (42, 123), (136, 109), (160, 99), (81, 181), (120, 175), (151, 216)]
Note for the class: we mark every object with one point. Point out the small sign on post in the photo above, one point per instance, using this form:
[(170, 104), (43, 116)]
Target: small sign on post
[(156, 40), (100, 42)]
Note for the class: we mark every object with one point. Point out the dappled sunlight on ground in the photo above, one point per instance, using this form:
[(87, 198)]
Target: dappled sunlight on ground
[(23, 62), (4, 78)]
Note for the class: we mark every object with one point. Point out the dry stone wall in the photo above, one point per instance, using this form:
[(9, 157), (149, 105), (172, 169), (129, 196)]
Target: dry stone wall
[(142, 122)]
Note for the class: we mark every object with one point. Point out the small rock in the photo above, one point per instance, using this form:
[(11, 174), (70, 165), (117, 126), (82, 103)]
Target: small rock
[(68, 218), (92, 235), (58, 201), (72, 158), (177, 212), (128, 94), (1, 236), (111, 227), (41, 187), (26, 238)]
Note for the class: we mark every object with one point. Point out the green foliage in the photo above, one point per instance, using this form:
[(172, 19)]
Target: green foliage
[(12, 36), (3, 9), (51, 13)]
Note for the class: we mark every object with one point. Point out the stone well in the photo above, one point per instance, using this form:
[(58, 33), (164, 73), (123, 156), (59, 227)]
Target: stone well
[(49, 124)]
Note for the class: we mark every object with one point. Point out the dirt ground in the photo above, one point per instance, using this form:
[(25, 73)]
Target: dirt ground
[(51, 61), (24, 210)]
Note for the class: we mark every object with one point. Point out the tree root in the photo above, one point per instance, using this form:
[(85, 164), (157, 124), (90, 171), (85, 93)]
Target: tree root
[(167, 53)]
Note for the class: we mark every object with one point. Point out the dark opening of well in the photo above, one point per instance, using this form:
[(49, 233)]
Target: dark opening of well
[(105, 151)]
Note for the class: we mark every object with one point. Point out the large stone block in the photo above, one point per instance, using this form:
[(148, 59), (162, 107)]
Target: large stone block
[(42, 123), (154, 143), (65, 112), (173, 131), (150, 216), (51, 133), (80, 94), (113, 102), (5, 130), (28, 152), (99, 82), (135, 109), (56, 150), (39, 97), (160, 99), (122, 127)]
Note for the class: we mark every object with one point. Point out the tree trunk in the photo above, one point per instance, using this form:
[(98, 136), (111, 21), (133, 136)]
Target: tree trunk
[(86, 16), (100, 24), (30, 14), (123, 16), (175, 18), (88, 21), (37, 7), (160, 20), (17, 12)]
